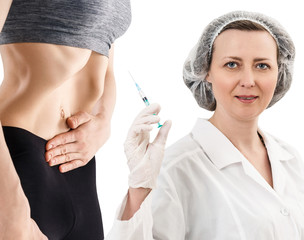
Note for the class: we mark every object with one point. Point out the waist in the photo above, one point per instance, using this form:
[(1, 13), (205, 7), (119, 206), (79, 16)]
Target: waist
[(45, 113)]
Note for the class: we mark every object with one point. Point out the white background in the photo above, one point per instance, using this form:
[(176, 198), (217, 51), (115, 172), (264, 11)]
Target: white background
[(153, 49)]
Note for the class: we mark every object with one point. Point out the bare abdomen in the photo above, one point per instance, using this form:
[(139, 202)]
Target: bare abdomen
[(48, 87)]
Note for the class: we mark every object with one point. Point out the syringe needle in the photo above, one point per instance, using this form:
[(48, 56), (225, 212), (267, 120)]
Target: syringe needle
[(138, 88), (142, 95)]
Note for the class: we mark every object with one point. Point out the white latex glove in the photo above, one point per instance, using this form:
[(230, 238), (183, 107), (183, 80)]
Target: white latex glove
[(145, 158)]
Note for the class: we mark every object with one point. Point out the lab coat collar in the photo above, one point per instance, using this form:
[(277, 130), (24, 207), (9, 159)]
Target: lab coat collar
[(276, 154), (222, 152), (274, 149)]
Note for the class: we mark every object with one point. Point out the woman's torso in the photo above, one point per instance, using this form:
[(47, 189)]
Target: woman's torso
[(45, 83), (55, 59)]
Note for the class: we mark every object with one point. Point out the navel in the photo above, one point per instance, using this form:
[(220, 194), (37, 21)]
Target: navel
[(62, 113)]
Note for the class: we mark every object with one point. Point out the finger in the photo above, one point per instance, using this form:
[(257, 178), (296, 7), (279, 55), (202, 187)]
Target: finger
[(64, 158), (151, 119), (141, 128), (61, 150), (162, 135), (71, 166), (154, 108), (78, 119), (61, 139)]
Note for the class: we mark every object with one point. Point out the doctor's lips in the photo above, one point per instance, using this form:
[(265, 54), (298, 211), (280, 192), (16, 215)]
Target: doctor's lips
[(247, 98)]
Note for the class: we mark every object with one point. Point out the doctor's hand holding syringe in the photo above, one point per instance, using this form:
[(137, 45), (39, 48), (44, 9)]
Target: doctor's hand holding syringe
[(144, 157)]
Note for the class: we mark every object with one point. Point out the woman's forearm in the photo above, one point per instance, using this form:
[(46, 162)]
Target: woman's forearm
[(15, 214), (14, 206), (4, 9), (11, 191)]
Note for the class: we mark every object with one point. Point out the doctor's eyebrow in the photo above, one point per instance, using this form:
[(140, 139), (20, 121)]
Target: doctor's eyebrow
[(261, 59), (233, 57), (255, 59)]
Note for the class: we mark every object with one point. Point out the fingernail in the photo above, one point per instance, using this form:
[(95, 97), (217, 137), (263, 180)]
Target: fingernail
[(50, 146), (48, 157)]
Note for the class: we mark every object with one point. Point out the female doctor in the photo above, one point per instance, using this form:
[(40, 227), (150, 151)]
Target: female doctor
[(227, 179)]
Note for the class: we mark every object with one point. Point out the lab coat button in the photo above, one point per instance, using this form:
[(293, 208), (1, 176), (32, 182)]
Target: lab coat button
[(284, 212)]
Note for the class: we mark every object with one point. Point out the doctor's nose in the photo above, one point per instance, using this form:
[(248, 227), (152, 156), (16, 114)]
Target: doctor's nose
[(247, 78)]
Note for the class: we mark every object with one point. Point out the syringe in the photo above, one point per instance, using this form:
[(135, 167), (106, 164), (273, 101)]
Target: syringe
[(143, 96)]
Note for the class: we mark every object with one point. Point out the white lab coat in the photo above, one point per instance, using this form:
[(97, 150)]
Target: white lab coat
[(208, 190)]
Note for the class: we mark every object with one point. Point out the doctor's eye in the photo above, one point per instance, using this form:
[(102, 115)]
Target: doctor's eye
[(263, 66), (231, 65)]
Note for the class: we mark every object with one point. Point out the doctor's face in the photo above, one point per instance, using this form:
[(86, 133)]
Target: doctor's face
[(243, 72)]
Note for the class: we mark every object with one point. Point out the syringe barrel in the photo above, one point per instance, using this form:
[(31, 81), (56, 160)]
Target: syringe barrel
[(144, 98), (142, 94)]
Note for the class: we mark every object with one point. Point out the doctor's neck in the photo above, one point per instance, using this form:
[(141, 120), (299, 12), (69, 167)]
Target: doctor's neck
[(241, 132)]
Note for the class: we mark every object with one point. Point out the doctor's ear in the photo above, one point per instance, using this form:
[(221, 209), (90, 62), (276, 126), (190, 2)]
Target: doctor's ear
[(208, 78)]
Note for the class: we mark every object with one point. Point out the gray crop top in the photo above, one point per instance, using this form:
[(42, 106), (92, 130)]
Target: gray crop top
[(91, 24)]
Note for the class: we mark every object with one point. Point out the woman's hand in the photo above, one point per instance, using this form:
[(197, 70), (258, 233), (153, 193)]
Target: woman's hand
[(77, 147), (145, 158)]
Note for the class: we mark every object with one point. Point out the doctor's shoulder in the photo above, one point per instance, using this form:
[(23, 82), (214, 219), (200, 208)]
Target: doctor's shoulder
[(182, 152)]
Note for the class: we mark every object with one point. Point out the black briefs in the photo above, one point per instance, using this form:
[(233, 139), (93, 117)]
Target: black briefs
[(64, 205)]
